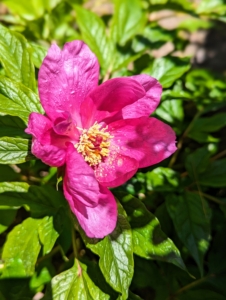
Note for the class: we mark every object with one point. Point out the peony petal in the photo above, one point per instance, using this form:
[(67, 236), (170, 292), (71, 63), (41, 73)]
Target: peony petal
[(146, 105), (147, 140), (109, 98), (80, 179), (98, 221), (66, 77), (116, 169), (38, 125), (49, 154), (65, 125), (41, 128)]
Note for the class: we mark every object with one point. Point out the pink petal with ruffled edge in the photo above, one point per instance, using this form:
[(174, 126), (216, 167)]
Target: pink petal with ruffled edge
[(80, 179), (116, 169), (147, 140), (109, 98), (98, 221), (146, 105), (66, 77), (38, 125), (46, 145), (49, 154)]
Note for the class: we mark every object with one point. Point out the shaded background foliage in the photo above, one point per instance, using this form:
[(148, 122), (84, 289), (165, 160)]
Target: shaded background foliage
[(170, 237)]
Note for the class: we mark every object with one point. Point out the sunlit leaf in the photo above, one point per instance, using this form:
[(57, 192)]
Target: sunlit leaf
[(128, 20), (14, 150), (48, 233), (21, 249), (94, 34), (18, 100), (116, 255), (13, 187), (74, 283), (15, 57), (171, 111), (148, 239), (38, 53), (168, 69)]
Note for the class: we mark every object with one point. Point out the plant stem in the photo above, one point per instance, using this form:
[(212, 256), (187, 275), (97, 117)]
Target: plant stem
[(73, 236), (75, 250), (219, 155), (54, 251), (193, 284), (210, 197), (108, 74)]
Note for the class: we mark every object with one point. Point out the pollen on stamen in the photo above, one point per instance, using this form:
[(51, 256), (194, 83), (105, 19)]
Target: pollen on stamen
[(94, 144)]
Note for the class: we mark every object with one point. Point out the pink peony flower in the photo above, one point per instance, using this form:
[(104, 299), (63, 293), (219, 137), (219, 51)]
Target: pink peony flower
[(101, 134)]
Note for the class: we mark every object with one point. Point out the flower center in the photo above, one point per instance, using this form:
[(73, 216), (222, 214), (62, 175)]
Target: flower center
[(94, 144)]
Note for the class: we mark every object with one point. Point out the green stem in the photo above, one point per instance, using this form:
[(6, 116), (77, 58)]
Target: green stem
[(210, 197), (54, 251), (73, 236), (219, 155), (193, 284)]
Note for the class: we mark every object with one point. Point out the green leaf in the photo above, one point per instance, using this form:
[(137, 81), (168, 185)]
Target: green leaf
[(156, 34), (160, 179), (74, 284), (40, 278), (176, 94), (20, 187), (195, 24), (15, 57), (38, 53), (116, 255), (211, 7), (128, 20), (198, 161), (18, 100), (48, 234), (154, 2), (14, 150), (29, 11), (148, 239), (123, 57), (21, 249), (12, 126), (94, 34), (202, 126), (148, 274), (171, 111), (168, 69), (215, 174), (42, 201), (191, 218)]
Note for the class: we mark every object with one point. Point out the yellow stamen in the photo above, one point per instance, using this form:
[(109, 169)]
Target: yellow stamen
[(94, 144)]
